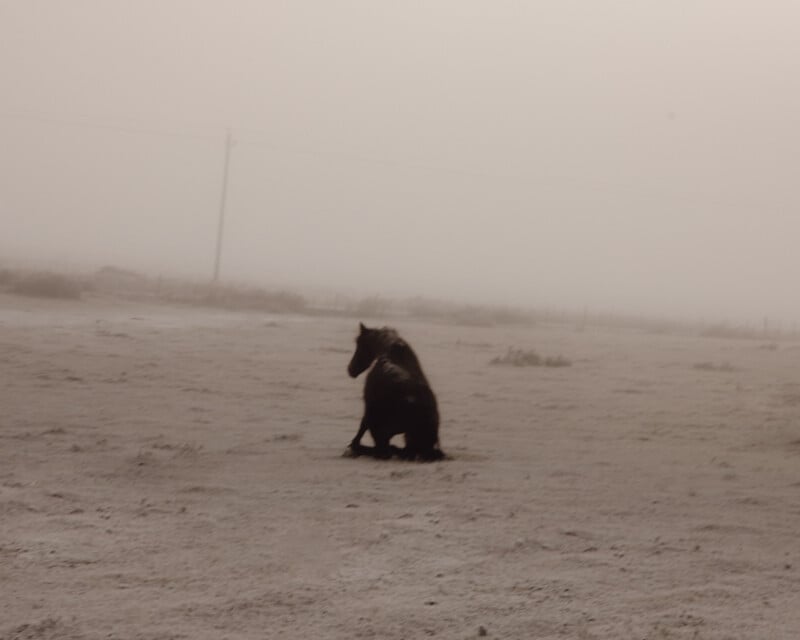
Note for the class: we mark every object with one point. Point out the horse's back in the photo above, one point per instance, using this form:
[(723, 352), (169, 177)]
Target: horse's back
[(397, 387)]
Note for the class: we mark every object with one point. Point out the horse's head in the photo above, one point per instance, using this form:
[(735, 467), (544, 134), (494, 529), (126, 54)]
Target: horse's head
[(367, 345)]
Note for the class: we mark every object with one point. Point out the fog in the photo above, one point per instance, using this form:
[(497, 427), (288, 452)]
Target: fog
[(633, 157)]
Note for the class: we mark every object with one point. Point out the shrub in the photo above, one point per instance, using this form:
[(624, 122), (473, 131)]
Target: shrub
[(371, 306), (48, 285), (726, 331), (253, 299)]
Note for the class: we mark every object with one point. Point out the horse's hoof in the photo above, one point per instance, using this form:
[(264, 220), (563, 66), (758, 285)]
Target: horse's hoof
[(433, 455), (350, 452)]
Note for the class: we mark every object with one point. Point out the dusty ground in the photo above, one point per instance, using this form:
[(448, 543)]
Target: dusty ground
[(173, 473)]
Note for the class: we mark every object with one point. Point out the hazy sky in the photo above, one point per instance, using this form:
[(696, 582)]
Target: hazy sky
[(634, 155)]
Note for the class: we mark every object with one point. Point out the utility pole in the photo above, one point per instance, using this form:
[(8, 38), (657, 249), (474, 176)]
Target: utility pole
[(223, 199)]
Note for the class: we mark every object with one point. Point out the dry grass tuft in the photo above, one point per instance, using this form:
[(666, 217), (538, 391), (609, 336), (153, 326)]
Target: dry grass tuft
[(529, 358), (713, 366)]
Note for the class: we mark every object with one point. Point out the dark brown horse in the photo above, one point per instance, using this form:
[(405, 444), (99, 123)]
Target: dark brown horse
[(397, 398)]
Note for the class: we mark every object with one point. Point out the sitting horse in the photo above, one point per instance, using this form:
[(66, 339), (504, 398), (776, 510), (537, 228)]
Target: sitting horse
[(397, 398)]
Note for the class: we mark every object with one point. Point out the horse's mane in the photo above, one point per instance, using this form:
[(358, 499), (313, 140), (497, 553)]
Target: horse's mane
[(398, 352)]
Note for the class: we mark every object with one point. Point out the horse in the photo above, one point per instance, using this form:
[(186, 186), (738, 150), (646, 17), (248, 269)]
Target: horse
[(397, 398)]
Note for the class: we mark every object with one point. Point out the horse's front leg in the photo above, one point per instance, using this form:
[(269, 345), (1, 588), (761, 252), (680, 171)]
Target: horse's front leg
[(362, 429), (356, 448), (382, 449)]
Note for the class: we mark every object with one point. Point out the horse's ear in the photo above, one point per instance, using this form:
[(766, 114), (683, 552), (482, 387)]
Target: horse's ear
[(361, 327)]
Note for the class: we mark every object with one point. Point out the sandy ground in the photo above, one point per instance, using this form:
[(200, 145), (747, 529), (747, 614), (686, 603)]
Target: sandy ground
[(174, 473)]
